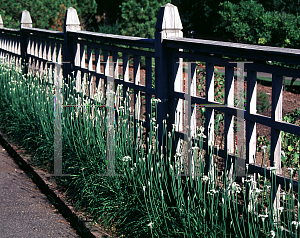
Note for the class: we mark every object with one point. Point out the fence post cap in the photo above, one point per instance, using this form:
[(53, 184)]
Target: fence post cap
[(72, 21), (26, 19), (1, 22), (168, 18)]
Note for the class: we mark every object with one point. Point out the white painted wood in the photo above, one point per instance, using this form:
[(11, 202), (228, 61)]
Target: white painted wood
[(209, 115), (1, 22), (25, 19), (90, 68), (251, 126), (72, 20), (115, 58), (137, 79), (168, 24), (82, 65), (277, 89), (77, 63)]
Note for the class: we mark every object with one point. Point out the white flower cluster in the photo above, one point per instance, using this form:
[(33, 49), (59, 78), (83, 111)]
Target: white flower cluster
[(126, 158)]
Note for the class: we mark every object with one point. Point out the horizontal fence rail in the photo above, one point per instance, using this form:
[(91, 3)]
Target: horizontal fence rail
[(88, 56)]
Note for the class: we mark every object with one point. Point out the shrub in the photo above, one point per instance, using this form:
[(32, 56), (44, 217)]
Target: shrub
[(263, 103)]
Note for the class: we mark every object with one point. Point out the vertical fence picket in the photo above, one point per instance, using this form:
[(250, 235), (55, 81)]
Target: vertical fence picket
[(275, 158), (209, 120), (115, 59), (36, 54), (137, 93), (40, 55), (192, 89), (125, 76), (97, 69), (178, 103), (148, 96), (90, 68), (229, 119), (82, 65), (106, 73), (251, 127)]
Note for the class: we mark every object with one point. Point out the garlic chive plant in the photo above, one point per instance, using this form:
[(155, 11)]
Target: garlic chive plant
[(150, 200)]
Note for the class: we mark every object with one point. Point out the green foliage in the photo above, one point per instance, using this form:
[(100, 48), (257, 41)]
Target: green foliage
[(248, 22), (114, 29), (139, 17), (263, 103), (45, 12), (290, 142)]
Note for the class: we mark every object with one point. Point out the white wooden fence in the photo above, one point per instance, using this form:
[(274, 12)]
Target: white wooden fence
[(36, 46)]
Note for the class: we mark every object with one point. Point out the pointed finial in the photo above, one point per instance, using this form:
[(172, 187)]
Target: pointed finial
[(168, 18), (72, 21), (1, 22), (26, 19)]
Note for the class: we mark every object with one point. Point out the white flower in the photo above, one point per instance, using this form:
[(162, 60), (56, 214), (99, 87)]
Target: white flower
[(151, 169), (273, 234), (201, 129), (212, 192), (132, 169), (273, 169), (159, 175), (264, 148), (234, 187), (205, 178), (126, 158), (144, 188), (282, 153), (291, 170), (162, 193), (149, 183), (157, 164), (150, 224), (263, 217), (280, 209), (194, 148), (297, 224), (134, 164), (267, 187), (258, 191), (178, 155), (201, 135)]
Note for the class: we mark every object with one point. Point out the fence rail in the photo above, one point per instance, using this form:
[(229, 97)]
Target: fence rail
[(36, 46)]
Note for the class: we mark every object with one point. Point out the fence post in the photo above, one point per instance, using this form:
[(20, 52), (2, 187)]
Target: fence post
[(1, 22), (168, 25), (71, 24), (1, 40), (25, 41)]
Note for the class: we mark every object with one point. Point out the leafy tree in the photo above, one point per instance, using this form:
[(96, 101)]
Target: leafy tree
[(45, 13), (248, 22), (199, 15), (139, 17), (287, 6)]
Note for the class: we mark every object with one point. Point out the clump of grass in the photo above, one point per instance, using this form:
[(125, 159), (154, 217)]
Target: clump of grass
[(150, 199)]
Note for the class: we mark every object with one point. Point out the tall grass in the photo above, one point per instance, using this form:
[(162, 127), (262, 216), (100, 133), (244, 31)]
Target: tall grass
[(150, 200)]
